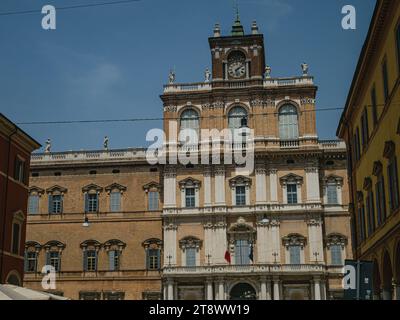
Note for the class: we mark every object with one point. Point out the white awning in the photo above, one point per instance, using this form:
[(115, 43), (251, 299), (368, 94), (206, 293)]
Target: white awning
[(11, 292)]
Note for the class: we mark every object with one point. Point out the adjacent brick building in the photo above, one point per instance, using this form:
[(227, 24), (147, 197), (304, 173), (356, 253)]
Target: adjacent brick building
[(15, 151)]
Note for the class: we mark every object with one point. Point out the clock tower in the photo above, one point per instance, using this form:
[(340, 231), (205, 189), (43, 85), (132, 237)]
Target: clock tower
[(237, 56)]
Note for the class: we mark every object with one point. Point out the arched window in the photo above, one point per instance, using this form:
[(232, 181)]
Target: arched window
[(54, 250), (294, 244), (90, 250), (190, 122), (114, 250), (235, 117), (153, 253), (288, 122)]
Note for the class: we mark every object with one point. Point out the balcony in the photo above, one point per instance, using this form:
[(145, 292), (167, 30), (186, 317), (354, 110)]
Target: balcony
[(238, 84), (290, 144), (286, 82), (243, 270), (332, 144), (88, 156)]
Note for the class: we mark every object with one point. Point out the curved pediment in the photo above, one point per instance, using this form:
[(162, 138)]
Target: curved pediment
[(115, 186), (55, 189), (291, 178), (190, 182), (240, 181), (92, 187)]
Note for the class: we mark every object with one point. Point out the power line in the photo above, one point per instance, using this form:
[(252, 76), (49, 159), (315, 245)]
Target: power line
[(160, 118), (88, 5)]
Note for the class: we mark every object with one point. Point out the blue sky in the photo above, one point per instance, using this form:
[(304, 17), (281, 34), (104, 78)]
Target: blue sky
[(110, 62)]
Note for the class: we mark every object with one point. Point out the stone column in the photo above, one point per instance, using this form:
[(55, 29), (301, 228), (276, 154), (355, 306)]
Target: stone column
[(261, 184), (220, 242), (323, 290), (312, 183), (315, 239), (262, 241), (273, 185), (264, 288), (170, 243), (170, 289), (209, 289), (275, 241), (219, 174), (276, 288), (317, 289), (207, 187), (170, 187), (209, 242), (165, 292), (221, 289)]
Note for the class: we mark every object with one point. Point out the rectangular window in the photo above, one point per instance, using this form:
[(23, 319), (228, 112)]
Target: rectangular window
[(291, 193), (380, 200), (336, 255), (294, 252), (370, 212), (33, 204), (331, 192), (90, 257), (356, 148), (190, 198), (385, 80), (55, 260), (19, 171), (91, 202), (242, 252), (190, 257), (115, 201), (153, 200), (393, 184), (30, 261), (241, 196), (374, 106), (153, 259), (113, 260), (364, 128), (55, 204), (16, 238)]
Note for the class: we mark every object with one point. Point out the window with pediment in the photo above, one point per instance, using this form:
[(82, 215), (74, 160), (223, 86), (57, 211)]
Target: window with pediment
[(56, 199), (32, 250), (90, 253), (153, 248), (115, 192), (152, 191), (91, 195), (35, 193), (336, 244), (54, 251), (240, 189), (190, 192), (294, 244), (332, 188), (114, 250), (291, 188), (190, 247), (241, 237)]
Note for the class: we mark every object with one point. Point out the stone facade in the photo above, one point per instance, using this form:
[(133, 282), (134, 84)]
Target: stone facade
[(280, 232)]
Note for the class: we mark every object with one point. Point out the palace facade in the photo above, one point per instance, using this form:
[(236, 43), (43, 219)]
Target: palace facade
[(281, 231), (370, 125), (114, 226)]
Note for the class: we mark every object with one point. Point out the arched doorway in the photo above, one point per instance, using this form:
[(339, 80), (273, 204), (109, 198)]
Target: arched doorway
[(387, 277), (377, 281), (243, 291), (14, 279)]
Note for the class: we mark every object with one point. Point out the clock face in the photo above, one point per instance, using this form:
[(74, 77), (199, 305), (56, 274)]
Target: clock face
[(237, 69)]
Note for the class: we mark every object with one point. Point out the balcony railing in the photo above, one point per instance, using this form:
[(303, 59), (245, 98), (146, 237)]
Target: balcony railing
[(237, 84), (332, 144), (284, 82), (103, 155), (290, 144), (246, 269)]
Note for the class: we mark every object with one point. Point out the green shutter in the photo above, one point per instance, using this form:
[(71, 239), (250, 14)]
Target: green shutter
[(84, 260), (111, 259), (86, 202), (50, 203), (48, 258)]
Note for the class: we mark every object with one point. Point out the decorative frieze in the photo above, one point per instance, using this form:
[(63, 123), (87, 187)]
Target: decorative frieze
[(213, 106), (170, 108)]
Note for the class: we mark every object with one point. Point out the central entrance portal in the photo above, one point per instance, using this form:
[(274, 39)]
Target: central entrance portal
[(243, 291)]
